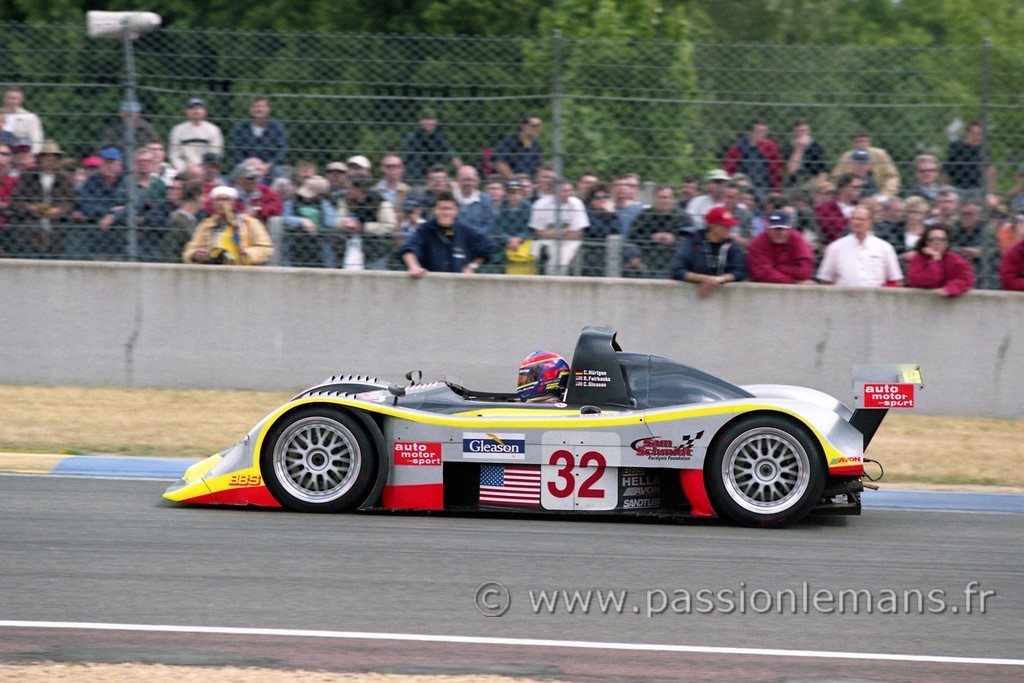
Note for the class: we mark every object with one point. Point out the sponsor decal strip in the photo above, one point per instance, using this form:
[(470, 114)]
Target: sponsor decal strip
[(514, 642)]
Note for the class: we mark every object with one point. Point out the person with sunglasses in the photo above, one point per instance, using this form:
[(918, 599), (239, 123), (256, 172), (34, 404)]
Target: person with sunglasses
[(935, 267)]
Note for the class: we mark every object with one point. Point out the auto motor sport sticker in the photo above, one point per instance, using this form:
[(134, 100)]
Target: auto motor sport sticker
[(417, 453), (888, 395)]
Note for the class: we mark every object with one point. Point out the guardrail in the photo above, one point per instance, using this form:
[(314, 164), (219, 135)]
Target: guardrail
[(121, 324)]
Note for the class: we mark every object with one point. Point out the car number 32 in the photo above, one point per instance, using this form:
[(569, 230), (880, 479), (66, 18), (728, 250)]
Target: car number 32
[(579, 481)]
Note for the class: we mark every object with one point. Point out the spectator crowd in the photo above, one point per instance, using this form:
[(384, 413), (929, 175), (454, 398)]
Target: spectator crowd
[(786, 213)]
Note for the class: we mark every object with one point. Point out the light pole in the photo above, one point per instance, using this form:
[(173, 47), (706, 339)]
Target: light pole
[(126, 26)]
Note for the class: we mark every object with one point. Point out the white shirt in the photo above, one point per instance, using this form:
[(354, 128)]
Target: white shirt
[(572, 214), (698, 207), (851, 263)]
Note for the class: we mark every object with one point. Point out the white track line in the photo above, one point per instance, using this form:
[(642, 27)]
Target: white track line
[(518, 642)]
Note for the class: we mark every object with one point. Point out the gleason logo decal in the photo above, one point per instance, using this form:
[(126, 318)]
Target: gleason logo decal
[(494, 446), (658, 448)]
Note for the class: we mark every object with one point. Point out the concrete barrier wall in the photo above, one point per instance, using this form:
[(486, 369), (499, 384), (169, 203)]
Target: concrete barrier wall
[(98, 324)]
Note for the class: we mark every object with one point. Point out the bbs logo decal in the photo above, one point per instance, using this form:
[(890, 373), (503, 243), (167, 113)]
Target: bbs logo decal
[(658, 448), (494, 445)]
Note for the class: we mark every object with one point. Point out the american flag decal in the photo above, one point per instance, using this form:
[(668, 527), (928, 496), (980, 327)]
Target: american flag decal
[(510, 485)]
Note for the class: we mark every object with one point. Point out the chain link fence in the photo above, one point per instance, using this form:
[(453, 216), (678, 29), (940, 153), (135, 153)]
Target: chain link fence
[(637, 115)]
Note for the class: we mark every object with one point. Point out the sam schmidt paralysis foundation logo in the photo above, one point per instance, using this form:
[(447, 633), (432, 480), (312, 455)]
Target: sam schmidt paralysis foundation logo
[(494, 599)]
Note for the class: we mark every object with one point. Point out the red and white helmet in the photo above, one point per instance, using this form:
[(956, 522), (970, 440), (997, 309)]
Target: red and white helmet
[(542, 375)]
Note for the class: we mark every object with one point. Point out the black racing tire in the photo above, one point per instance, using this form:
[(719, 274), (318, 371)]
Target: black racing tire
[(765, 471), (318, 459)]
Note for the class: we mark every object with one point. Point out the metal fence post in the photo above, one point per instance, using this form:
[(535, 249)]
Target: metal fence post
[(129, 141), (556, 140)]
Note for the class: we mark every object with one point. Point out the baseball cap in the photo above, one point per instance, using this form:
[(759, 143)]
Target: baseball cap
[(21, 145), (131, 106), (224, 191), (110, 154), (513, 185), (779, 219), (721, 216), (717, 174), (337, 166), (196, 102), (861, 156), (360, 161), (246, 171), (91, 161)]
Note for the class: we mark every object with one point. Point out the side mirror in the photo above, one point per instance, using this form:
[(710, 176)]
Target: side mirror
[(396, 391), (414, 376)]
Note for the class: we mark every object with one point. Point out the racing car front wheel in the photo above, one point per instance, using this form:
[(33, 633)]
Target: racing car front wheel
[(764, 471), (318, 459)]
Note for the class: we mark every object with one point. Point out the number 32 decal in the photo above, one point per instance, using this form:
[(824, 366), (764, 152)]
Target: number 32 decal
[(579, 482), (565, 460)]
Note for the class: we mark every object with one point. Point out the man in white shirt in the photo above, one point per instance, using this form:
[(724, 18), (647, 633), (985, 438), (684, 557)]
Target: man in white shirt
[(20, 122), (860, 259), (572, 215), (714, 195), (195, 137)]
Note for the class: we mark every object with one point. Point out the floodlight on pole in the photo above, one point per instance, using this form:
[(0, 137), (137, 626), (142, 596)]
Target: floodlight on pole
[(126, 26)]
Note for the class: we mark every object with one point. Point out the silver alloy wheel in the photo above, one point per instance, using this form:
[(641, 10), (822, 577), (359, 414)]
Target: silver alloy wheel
[(317, 459), (766, 470)]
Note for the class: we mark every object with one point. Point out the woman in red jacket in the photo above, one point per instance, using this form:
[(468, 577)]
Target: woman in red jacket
[(933, 266)]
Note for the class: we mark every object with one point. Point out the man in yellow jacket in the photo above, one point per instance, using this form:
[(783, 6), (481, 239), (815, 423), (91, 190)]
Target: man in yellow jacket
[(228, 237), (884, 174)]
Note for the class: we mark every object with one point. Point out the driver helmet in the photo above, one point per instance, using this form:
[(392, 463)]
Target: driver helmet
[(542, 375)]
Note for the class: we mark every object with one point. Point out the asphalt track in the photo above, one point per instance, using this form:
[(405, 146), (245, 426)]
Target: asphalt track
[(363, 587)]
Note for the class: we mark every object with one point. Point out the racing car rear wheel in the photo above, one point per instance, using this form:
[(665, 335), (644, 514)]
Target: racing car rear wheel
[(318, 459), (765, 471)]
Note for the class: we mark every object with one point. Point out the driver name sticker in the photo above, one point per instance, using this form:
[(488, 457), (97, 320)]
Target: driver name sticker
[(889, 396), (417, 453), (595, 379)]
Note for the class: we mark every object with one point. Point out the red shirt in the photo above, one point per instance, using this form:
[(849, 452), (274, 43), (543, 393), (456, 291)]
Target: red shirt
[(787, 263), (952, 272), (832, 224), (1011, 270)]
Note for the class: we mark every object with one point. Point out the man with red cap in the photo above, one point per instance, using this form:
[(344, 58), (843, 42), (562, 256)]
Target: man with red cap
[(710, 258)]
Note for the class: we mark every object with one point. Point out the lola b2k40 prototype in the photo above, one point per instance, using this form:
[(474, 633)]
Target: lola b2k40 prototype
[(636, 435)]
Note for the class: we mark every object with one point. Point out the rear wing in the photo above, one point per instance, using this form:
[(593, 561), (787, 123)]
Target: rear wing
[(879, 388)]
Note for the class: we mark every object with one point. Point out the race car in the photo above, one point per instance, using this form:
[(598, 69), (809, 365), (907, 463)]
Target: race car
[(635, 434)]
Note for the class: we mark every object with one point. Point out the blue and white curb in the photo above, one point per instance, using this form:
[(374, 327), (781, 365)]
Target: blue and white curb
[(123, 466)]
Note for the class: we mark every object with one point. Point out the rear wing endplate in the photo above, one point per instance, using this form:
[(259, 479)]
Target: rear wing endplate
[(879, 388)]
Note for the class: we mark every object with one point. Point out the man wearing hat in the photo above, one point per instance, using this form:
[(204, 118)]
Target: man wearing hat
[(337, 176), (228, 237), (714, 195), (43, 200), (780, 254), (359, 165), (254, 197), (195, 137), (425, 147), (884, 175), (99, 199), (116, 135), (710, 258)]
